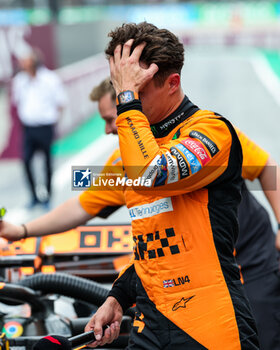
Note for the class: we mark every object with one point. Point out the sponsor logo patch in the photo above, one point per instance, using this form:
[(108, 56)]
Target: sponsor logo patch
[(197, 148), (147, 210), (162, 171), (172, 121), (152, 170), (177, 135), (191, 158), (139, 322), (209, 144), (137, 137), (172, 167), (182, 303), (182, 164)]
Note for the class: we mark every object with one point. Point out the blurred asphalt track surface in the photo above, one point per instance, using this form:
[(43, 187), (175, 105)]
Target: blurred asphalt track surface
[(237, 83)]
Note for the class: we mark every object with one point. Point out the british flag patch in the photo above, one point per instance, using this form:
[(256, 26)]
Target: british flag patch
[(168, 283)]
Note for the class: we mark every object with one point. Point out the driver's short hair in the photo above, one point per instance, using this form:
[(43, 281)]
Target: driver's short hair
[(162, 47)]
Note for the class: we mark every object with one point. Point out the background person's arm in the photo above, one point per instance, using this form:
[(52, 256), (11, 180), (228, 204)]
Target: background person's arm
[(75, 211), (258, 164), (271, 189), (66, 216)]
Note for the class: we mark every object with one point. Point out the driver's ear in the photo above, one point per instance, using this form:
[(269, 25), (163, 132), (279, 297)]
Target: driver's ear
[(173, 80)]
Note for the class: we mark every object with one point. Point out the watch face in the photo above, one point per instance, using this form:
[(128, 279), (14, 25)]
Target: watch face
[(126, 96)]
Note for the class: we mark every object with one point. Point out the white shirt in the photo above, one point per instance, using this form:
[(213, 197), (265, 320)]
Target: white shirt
[(38, 98)]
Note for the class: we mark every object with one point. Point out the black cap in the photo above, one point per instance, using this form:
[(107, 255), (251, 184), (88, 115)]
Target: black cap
[(53, 342)]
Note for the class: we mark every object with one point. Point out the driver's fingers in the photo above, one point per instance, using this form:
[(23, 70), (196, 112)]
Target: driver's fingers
[(137, 52), (115, 330), (106, 336), (110, 334), (98, 331), (151, 71), (112, 66), (117, 54), (117, 327), (90, 325), (127, 48)]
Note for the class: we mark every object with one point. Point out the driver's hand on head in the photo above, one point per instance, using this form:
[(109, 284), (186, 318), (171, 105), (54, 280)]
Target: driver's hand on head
[(127, 72), (11, 232), (110, 314)]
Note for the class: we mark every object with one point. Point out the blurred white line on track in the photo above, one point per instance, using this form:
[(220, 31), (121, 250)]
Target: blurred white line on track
[(266, 75)]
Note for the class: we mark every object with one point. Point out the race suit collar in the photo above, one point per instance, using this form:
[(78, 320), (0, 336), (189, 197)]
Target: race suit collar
[(184, 111)]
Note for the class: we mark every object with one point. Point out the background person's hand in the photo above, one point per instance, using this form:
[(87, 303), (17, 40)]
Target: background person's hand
[(11, 232), (110, 313), (127, 72)]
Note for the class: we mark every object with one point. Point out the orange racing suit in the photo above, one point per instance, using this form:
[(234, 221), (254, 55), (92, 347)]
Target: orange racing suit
[(184, 225)]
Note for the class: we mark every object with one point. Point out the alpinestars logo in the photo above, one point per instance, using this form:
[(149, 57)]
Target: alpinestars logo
[(182, 303)]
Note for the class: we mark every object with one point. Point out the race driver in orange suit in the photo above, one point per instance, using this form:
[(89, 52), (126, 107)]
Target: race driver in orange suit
[(184, 222)]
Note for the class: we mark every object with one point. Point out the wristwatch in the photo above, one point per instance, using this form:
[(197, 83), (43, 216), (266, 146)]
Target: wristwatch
[(126, 97)]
